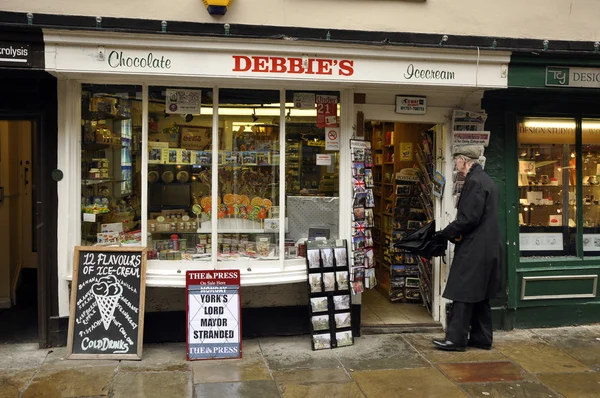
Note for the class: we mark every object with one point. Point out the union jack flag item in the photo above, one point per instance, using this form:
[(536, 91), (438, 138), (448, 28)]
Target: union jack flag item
[(359, 184), (359, 228)]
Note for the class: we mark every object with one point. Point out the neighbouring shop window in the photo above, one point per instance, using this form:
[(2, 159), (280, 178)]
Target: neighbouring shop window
[(180, 150), (590, 153), (111, 125), (312, 166), (547, 186)]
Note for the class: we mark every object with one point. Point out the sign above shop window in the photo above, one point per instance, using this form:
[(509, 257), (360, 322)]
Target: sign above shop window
[(411, 105), (148, 57), (564, 76), (17, 55)]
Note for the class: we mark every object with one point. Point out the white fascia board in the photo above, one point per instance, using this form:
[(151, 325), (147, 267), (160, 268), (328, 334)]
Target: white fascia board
[(72, 52), (275, 46)]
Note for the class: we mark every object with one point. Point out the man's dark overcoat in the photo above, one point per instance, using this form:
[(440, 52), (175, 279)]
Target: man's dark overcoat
[(475, 271)]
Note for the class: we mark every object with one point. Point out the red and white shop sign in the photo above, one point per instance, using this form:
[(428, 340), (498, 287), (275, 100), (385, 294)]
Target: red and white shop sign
[(326, 110), (213, 315)]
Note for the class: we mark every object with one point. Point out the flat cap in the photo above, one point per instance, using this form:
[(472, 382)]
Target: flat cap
[(470, 151)]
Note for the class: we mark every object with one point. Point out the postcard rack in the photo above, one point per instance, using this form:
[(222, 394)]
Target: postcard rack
[(329, 294)]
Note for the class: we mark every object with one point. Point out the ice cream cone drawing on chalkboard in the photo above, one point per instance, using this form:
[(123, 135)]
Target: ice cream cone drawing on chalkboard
[(107, 291)]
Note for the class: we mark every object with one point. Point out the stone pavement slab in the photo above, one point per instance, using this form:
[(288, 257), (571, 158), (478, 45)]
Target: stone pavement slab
[(57, 359), (422, 342), (295, 352), (159, 357), (312, 376), (581, 342), (481, 372), (13, 382), (250, 367), (84, 382), (371, 352), (539, 357), (21, 356), (245, 389), (346, 390), (574, 385), (520, 389), (416, 383), (152, 385), (316, 383)]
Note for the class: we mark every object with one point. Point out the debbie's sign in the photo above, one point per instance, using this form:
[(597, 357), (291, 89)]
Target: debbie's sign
[(106, 320), (213, 315)]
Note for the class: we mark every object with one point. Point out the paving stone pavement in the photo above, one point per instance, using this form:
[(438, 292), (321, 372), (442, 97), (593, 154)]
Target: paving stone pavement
[(558, 362)]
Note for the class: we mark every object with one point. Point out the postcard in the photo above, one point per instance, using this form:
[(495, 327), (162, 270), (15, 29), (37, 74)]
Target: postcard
[(358, 184), (342, 280), (313, 258), (318, 304), (321, 341), (368, 179), (314, 280), (320, 322), (329, 281), (341, 259), (358, 213), (344, 338), (369, 218), (341, 302), (358, 169), (342, 320), (327, 256)]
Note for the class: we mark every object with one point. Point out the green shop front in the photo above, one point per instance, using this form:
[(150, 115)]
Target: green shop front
[(546, 160)]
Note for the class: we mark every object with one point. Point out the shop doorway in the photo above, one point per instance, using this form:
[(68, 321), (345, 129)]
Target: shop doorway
[(403, 167), (18, 244)]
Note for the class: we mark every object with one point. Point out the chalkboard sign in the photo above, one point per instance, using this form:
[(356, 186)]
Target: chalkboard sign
[(106, 319)]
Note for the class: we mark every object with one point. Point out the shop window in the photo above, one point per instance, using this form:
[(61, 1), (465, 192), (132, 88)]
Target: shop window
[(180, 149), (547, 186), (590, 152), (248, 174), (111, 120), (246, 148), (311, 169)]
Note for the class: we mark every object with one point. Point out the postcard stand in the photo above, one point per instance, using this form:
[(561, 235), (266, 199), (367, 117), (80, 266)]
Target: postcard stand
[(329, 293), (363, 252)]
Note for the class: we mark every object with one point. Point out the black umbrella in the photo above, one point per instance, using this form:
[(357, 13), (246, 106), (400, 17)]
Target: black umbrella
[(424, 242)]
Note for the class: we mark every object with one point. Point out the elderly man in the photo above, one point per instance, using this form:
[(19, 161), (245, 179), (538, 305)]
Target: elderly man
[(475, 272)]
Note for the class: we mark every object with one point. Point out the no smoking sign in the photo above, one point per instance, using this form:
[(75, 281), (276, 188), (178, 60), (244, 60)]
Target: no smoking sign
[(332, 139)]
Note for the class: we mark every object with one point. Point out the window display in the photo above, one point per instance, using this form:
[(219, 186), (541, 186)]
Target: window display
[(181, 199), (111, 122), (552, 216), (179, 168), (311, 169)]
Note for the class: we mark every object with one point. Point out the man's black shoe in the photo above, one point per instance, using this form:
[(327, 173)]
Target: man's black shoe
[(446, 345), (480, 346)]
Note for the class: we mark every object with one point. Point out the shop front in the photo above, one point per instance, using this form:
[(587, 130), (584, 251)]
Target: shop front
[(548, 119), (218, 154)]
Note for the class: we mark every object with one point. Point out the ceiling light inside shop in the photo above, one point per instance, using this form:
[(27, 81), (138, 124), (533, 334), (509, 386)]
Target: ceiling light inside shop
[(258, 112), (566, 124)]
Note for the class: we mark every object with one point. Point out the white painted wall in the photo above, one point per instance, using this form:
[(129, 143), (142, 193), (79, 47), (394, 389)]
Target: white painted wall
[(542, 19)]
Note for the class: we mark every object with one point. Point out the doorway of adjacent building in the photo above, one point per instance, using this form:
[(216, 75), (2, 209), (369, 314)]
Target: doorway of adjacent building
[(18, 245), (403, 168)]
